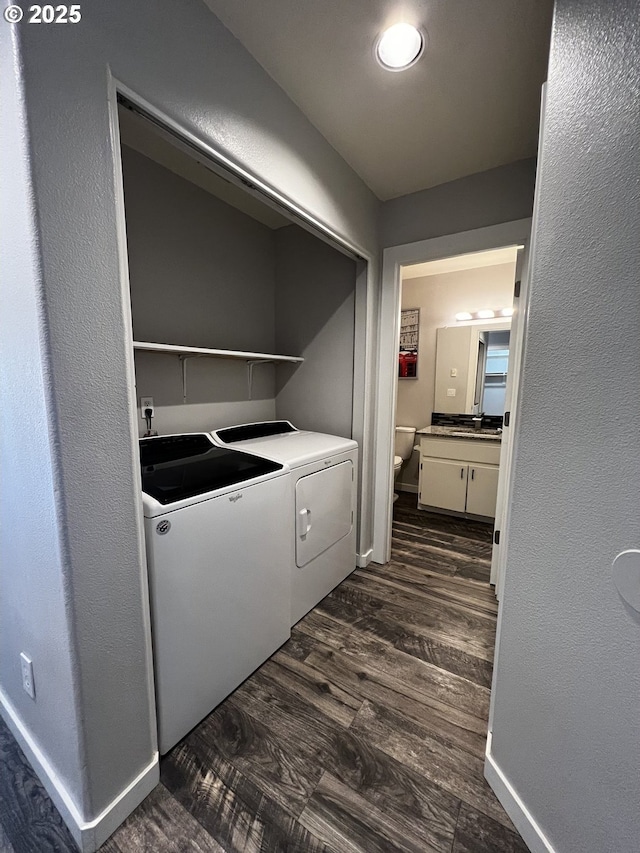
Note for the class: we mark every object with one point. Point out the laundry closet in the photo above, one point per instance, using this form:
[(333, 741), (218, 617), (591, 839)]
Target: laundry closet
[(213, 267), (243, 324)]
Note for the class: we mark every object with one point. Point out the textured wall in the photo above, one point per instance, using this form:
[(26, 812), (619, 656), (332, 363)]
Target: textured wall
[(202, 274), (486, 198), (180, 58), (33, 594), (565, 725), (315, 295)]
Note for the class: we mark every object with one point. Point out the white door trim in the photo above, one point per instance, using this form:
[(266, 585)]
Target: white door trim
[(499, 551), (393, 259)]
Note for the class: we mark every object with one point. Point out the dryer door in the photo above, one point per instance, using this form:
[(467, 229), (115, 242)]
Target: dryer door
[(323, 510)]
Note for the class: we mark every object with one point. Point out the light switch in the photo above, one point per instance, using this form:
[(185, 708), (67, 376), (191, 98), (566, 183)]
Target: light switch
[(454, 371), (451, 392)]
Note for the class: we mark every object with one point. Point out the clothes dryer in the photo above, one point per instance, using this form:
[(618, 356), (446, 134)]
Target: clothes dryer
[(322, 504)]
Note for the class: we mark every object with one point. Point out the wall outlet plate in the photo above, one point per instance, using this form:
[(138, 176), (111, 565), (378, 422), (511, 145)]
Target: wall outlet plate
[(26, 665), (147, 403), (451, 392)]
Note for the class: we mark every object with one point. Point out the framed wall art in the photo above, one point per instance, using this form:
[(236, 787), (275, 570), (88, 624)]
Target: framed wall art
[(408, 355)]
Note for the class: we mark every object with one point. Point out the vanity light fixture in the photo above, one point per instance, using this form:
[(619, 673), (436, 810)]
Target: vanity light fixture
[(399, 47), (484, 314)]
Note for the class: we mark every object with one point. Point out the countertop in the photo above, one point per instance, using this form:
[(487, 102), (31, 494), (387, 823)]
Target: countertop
[(461, 432)]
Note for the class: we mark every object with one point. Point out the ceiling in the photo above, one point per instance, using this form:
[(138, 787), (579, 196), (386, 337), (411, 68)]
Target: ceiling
[(470, 261), (469, 104)]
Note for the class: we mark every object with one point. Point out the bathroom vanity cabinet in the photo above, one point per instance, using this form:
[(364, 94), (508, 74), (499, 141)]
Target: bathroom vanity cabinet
[(459, 474)]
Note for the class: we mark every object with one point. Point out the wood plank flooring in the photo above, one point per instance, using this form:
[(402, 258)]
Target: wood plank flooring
[(364, 733)]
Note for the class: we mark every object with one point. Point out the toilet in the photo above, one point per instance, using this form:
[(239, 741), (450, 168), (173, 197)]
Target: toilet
[(405, 437)]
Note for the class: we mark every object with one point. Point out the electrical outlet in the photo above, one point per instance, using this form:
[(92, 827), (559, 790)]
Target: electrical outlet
[(451, 392), (147, 403), (27, 675)]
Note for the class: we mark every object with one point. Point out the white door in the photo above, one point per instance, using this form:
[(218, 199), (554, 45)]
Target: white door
[(323, 510), (482, 489), (498, 555), (443, 483)]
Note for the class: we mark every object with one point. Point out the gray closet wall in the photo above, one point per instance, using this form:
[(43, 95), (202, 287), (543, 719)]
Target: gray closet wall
[(203, 273), (315, 318)]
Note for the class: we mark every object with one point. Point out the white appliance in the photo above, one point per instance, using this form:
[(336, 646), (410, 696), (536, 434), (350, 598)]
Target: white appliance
[(218, 555), (403, 448), (322, 506)]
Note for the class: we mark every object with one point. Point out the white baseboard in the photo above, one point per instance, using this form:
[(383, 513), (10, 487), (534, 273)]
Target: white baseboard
[(406, 487), (524, 822), (363, 560), (88, 835)]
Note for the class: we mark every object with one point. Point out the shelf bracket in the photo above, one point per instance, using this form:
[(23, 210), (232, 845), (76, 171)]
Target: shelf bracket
[(250, 365), (184, 359)]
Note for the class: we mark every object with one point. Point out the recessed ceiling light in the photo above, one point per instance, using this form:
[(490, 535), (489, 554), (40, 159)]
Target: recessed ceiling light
[(399, 47)]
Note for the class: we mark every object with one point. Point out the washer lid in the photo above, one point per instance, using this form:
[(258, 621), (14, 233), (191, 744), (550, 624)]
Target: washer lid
[(285, 444), (243, 432), (176, 467)]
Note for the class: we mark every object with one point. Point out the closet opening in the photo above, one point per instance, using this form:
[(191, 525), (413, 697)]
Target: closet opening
[(245, 372), (242, 308)]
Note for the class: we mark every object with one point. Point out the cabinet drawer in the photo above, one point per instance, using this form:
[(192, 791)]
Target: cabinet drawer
[(473, 450)]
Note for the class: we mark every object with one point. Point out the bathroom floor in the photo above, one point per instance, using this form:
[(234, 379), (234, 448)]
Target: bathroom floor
[(365, 732)]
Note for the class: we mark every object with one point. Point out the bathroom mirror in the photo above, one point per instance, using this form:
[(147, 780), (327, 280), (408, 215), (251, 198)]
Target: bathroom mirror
[(471, 368)]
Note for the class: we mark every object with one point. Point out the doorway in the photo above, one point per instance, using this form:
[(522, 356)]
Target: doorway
[(511, 234)]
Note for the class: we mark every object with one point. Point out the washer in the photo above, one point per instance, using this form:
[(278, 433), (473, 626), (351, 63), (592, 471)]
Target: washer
[(322, 503), (218, 555)]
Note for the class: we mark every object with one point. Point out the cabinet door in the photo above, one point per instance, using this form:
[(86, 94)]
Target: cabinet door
[(482, 489), (443, 483)]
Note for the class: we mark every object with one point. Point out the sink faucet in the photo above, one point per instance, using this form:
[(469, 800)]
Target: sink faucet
[(477, 420)]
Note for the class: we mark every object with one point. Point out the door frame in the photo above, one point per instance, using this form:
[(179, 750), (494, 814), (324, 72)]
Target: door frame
[(512, 233), (516, 346)]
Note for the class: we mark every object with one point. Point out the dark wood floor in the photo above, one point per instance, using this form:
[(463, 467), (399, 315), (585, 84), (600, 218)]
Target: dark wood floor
[(365, 733)]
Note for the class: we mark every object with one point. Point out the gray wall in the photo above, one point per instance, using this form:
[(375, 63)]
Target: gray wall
[(315, 295), (33, 614), (199, 75), (565, 724), (498, 195), (202, 274)]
